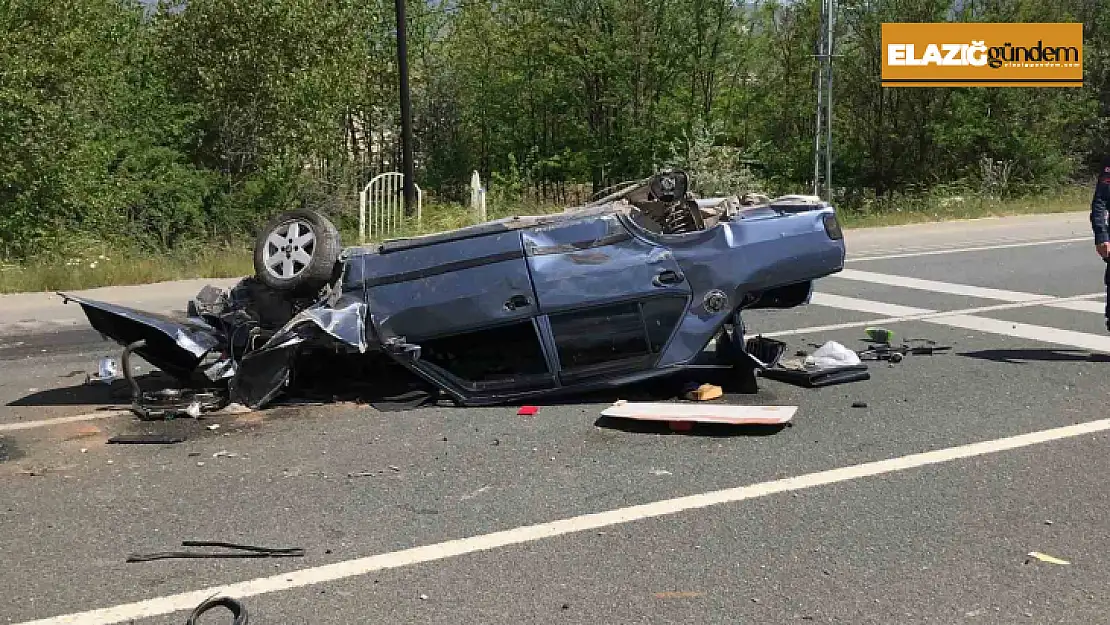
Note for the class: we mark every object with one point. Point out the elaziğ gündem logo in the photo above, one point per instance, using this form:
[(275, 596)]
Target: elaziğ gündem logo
[(976, 54)]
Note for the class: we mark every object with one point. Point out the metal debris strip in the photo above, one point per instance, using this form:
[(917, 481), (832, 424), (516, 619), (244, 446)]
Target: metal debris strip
[(145, 439), (888, 352), (246, 551)]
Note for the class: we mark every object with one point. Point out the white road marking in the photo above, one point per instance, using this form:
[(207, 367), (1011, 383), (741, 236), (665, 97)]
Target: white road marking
[(958, 319), (958, 250), (951, 288), (904, 313), (169, 604), (1082, 306), (934, 286), (27, 425), (856, 304), (1068, 338)]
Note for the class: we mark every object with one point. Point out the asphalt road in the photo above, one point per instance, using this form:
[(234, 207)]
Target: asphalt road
[(919, 508)]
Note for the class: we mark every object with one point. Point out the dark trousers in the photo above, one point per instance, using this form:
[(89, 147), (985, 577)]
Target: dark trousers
[(1106, 281)]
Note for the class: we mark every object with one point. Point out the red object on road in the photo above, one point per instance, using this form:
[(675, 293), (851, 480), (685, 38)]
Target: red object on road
[(528, 410)]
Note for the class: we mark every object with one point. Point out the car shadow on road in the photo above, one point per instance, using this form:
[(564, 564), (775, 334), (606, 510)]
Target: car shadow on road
[(391, 385), (668, 388), (116, 393), (706, 430), (1023, 356), (736, 391)]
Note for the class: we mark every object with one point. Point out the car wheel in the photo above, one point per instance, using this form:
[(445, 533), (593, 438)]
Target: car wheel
[(296, 251)]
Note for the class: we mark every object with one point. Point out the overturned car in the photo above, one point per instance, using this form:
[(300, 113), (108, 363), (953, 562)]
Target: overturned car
[(645, 282)]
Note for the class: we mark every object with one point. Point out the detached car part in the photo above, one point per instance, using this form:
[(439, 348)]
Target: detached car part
[(637, 285), (820, 377), (885, 351), (239, 613), (168, 403), (243, 551)]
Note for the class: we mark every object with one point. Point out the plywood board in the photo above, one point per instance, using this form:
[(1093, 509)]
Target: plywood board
[(702, 413)]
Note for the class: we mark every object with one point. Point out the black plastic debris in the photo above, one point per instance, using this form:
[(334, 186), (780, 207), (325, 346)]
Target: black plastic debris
[(895, 354), (238, 611), (768, 352), (410, 400), (814, 370), (819, 377), (146, 439)]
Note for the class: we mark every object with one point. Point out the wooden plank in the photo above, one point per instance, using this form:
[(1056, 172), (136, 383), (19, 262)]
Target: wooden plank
[(702, 413)]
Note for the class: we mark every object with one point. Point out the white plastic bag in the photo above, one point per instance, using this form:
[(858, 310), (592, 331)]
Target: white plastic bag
[(832, 354), (107, 369)]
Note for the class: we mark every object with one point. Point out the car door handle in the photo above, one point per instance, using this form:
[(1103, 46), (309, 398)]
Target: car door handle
[(517, 301), (667, 276)]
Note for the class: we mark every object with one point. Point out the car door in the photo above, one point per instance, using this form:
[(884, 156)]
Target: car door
[(608, 301), (466, 300)]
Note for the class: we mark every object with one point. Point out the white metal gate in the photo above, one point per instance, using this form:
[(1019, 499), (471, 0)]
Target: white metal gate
[(381, 205)]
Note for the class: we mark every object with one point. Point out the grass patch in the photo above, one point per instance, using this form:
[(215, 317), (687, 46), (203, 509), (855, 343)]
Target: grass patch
[(108, 269), (71, 271), (912, 210)]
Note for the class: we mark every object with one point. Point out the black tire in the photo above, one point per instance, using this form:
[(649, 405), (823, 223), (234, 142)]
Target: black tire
[(295, 275)]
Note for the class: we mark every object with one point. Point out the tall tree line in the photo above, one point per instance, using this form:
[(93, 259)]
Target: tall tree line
[(169, 123)]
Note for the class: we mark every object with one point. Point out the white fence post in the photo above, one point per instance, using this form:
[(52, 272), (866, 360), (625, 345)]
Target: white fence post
[(362, 217), (475, 185), (477, 196)]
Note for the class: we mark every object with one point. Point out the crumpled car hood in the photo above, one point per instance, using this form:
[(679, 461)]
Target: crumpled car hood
[(177, 347), (197, 352)]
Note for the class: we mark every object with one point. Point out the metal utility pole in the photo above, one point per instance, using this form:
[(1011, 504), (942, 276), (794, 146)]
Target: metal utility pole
[(824, 101), (406, 108), (819, 82), (829, 21)]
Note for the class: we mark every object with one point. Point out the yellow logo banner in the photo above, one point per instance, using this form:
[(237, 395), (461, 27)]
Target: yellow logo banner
[(963, 54)]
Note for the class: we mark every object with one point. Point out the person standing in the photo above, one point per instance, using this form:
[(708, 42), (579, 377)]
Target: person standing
[(1100, 209)]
